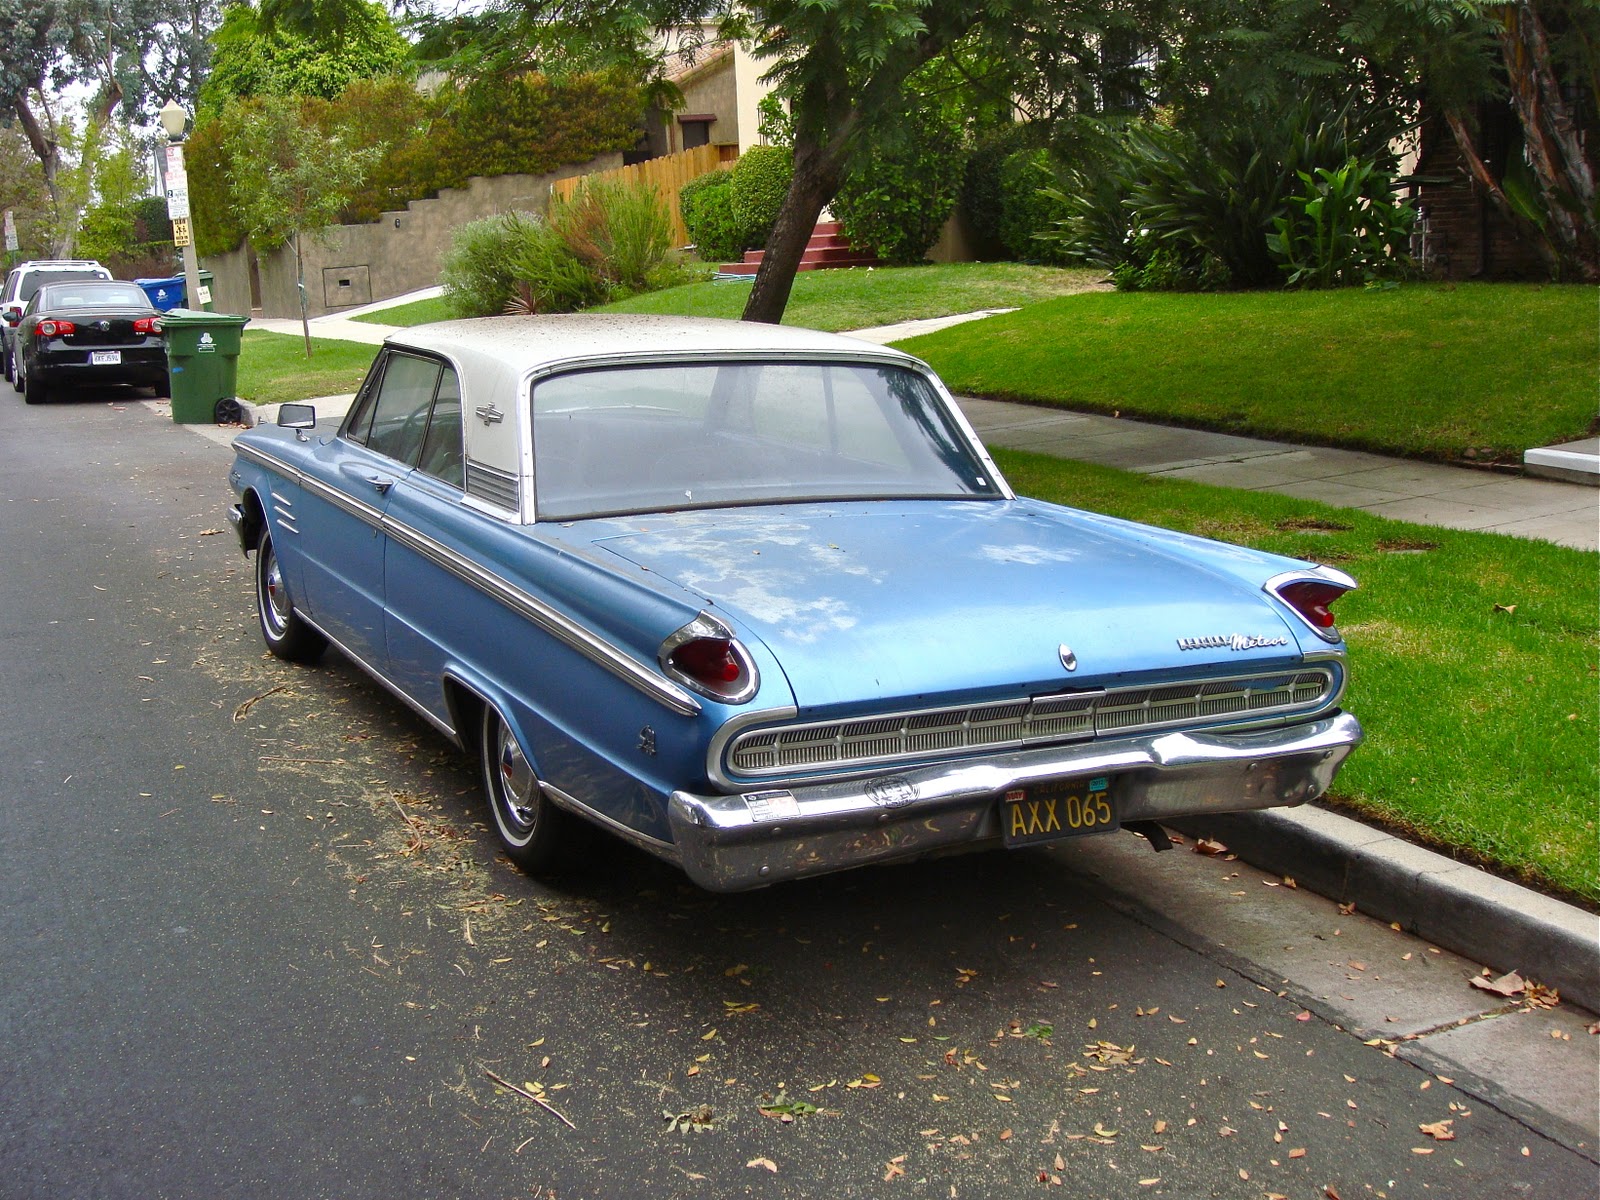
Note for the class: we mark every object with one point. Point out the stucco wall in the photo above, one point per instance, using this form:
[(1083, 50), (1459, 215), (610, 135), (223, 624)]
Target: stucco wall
[(350, 265)]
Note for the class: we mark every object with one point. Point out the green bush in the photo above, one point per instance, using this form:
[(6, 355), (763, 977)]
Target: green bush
[(706, 204), (760, 182), (1026, 210), (528, 124), (902, 181), (605, 241), (1343, 227), (982, 201), (623, 233), (523, 125), (1170, 208), (478, 271)]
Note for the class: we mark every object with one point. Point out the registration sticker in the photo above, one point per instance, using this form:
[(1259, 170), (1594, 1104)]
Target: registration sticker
[(105, 358), (1058, 808)]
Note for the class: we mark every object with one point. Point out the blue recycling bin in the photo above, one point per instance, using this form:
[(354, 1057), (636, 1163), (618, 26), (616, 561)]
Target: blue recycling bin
[(165, 294)]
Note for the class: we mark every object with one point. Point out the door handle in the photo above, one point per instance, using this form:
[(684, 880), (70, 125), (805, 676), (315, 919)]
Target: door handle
[(380, 483)]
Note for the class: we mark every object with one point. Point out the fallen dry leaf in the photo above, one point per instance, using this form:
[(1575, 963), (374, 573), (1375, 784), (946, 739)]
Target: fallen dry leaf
[(766, 1163), (1439, 1131), (1509, 984)]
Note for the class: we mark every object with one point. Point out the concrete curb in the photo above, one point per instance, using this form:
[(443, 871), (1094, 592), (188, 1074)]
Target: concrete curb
[(1455, 906)]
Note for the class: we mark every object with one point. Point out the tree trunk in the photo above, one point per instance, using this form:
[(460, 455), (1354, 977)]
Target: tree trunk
[(816, 179), (48, 151), (1555, 151), (300, 286), (1484, 178)]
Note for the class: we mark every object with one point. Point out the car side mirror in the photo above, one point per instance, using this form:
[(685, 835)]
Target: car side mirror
[(13, 317), (298, 417)]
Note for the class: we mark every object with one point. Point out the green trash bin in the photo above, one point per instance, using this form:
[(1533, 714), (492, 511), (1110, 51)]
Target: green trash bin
[(202, 363), (205, 290)]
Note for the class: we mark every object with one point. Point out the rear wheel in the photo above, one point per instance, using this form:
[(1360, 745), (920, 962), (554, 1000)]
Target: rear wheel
[(533, 832), (33, 391), (286, 634)]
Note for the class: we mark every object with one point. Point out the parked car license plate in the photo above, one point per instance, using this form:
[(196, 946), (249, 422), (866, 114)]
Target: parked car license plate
[(1059, 808), (105, 358)]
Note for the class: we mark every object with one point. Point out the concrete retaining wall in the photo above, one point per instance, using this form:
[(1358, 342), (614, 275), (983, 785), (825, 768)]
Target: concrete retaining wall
[(351, 265)]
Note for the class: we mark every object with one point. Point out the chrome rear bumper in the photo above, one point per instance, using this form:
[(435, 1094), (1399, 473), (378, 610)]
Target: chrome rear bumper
[(750, 839)]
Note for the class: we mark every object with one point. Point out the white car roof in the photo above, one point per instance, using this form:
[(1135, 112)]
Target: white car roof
[(528, 343)]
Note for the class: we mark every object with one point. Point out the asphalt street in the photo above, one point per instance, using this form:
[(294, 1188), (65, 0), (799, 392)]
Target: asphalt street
[(256, 942)]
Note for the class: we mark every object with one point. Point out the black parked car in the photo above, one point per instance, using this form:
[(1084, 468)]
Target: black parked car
[(87, 332)]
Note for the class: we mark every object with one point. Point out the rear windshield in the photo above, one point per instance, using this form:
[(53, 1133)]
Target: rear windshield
[(696, 435), (34, 280), (93, 295)]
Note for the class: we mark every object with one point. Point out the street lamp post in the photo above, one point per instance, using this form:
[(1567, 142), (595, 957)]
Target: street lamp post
[(175, 120)]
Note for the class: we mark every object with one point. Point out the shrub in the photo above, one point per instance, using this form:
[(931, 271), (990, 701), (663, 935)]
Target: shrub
[(604, 241), (902, 181), (706, 204), (1343, 227), (760, 180), (1026, 209), (982, 201), (1169, 208), (622, 232), (478, 271)]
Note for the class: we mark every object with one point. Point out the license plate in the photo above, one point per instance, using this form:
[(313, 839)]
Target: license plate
[(1062, 808), (105, 358)]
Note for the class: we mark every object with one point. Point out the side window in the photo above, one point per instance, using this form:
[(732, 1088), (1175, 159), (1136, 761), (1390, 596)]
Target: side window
[(400, 415), (358, 425), (441, 450)]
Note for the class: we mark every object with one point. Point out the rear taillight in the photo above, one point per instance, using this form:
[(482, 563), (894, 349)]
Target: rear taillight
[(149, 326), (1313, 600), (50, 327), (707, 658)]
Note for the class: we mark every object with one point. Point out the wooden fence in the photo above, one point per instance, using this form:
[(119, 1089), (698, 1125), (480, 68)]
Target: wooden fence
[(666, 174)]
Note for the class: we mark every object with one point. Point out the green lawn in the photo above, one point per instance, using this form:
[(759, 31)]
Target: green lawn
[(273, 367), (418, 312), (1473, 663), (836, 300), (1432, 370)]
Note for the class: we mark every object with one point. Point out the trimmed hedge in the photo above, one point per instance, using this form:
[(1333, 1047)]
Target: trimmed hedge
[(527, 125)]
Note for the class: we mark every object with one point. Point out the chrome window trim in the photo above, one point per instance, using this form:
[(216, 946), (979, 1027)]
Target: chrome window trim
[(562, 627), (725, 744)]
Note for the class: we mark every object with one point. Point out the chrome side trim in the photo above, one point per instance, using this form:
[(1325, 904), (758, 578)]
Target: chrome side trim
[(758, 837), (555, 623), (626, 668), (380, 677), (361, 511), (661, 849)]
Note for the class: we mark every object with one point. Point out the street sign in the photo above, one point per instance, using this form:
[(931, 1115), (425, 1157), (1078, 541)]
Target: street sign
[(11, 233), (180, 232)]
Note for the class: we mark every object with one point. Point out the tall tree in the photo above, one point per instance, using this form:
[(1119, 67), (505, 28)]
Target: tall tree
[(840, 64), (132, 55)]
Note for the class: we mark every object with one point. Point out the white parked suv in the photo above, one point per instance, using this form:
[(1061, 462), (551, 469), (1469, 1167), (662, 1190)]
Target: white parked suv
[(24, 281)]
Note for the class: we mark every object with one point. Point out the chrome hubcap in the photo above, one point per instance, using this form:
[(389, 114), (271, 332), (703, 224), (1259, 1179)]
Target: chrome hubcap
[(276, 597), (517, 780)]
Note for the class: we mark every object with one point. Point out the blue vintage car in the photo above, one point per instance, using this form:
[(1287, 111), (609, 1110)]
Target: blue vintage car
[(757, 600)]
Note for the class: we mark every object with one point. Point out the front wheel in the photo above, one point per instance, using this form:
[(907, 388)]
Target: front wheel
[(286, 634), (533, 832)]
